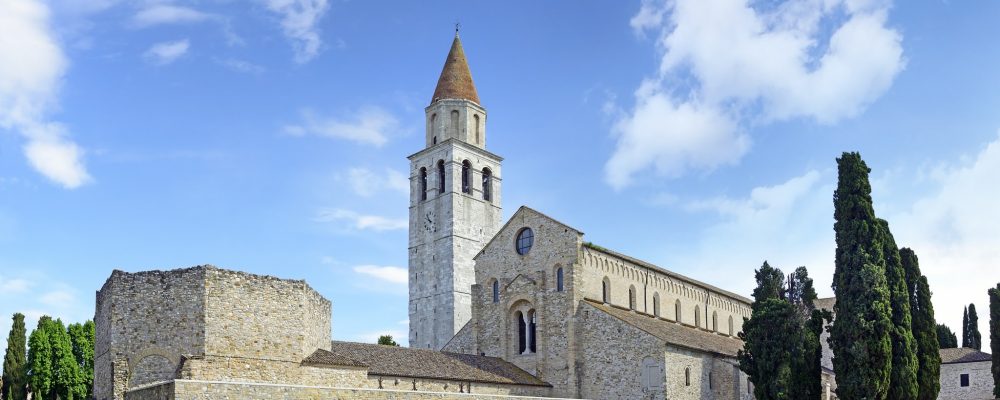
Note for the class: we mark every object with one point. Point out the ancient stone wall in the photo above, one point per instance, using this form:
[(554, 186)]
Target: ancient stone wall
[(393, 389), (658, 293), (980, 381), (612, 355), (148, 322)]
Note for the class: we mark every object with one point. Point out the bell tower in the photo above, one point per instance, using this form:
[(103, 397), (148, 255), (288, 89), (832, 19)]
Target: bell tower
[(454, 206)]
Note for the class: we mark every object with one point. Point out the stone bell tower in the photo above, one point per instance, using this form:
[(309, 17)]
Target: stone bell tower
[(454, 206)]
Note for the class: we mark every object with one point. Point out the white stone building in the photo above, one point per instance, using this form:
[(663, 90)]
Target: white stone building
[(965, 375)]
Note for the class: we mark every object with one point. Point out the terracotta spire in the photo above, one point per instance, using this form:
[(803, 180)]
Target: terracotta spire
[(456, 79)]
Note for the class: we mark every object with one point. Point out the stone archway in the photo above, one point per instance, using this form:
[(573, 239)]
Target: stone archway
[(152, 365)]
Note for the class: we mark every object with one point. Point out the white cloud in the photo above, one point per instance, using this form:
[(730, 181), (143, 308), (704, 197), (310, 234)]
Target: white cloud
[(163, 14), (241, 66), (14, 286), (955, 233), (362, 222), (394, 275), (788, 224), (365, 182), (299, 20), (372, 126), (167, 52), (58, 298), (32, 65), (726, 60)]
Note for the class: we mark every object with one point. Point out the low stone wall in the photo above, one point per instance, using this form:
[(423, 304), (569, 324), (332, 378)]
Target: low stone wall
[(212, 390)]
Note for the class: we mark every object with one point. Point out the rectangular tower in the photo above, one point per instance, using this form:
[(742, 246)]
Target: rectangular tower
[(454, 206)]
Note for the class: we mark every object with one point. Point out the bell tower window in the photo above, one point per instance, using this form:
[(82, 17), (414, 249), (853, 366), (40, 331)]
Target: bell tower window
[(454, 123), (466, 177), (487, 184), (440, 176), (423, 184), (479, 136)]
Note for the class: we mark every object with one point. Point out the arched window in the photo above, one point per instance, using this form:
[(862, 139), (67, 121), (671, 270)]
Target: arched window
[(466, 177), (522, 339), (454, 123), (440, 176), (631, 297), (423, 184), (715, 321), (559, 279), (656, 304), (687, 376), (525, 239), (496, 291), (434, 118), (697, 317), (677, 311), (487, 184), (730, 325), (479, 138), (606, 290)]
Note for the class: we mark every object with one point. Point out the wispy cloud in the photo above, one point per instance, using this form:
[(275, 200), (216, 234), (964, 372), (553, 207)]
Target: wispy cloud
[(366, 183), (14, 286), (58, 298), (394, 275), (164, 14), (359, 221), (167, 52), (371, 126), (713, 81), (241, 66), (299, 23), (29, 89)]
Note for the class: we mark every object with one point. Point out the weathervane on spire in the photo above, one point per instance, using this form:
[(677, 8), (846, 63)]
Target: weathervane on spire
[(458, 25)]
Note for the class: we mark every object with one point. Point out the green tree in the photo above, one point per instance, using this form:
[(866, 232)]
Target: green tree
[(767, 353), (15, 363), (387, 340), (40, 377), (68, 383), (770, 283), (801, 291), (972, 338), (903, 381), (82, 338), (925, 328), (995, 337), (859, 336), (946, 337), (965, 327)]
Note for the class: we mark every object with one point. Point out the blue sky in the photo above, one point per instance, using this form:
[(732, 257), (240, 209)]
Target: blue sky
[(271, 136)]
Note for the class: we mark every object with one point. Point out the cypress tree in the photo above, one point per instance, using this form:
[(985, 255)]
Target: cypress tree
[(767, 351), (859, 336), (82, 339), (770, 283), (975, 338), (903, 381), (806, 382), (67, 380), (40, 360), (925, 328), (15, 363), (995, 337), (965, 328), (946, 337)]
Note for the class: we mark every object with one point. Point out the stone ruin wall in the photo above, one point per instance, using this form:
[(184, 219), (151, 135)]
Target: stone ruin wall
[(148, 323)]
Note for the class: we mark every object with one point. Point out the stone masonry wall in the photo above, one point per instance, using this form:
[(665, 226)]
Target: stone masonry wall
[(206, 390), (980, 381), (154, 314), (148, 322), (612, 356)]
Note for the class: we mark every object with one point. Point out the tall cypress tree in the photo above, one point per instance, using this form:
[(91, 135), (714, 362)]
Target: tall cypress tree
[(40, 360), (925, 328), (859, 336), (966, 342), (975, 338), (995, 337), (903, 381), (15, 362), (770, 283), (82, 338), (67, 380), (946, 337)]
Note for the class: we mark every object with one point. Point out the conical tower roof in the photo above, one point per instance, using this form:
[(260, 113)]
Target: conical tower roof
[(456, 79)]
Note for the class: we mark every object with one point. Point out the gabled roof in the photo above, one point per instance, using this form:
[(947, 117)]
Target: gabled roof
[(419, 363), (964, 355), (673, 332), (520, 210), (456, 78)]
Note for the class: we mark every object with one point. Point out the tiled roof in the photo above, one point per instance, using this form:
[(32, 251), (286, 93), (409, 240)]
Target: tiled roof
[(323, 357), (674, 333), (428, 364), (963, 355), (456, 79)]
